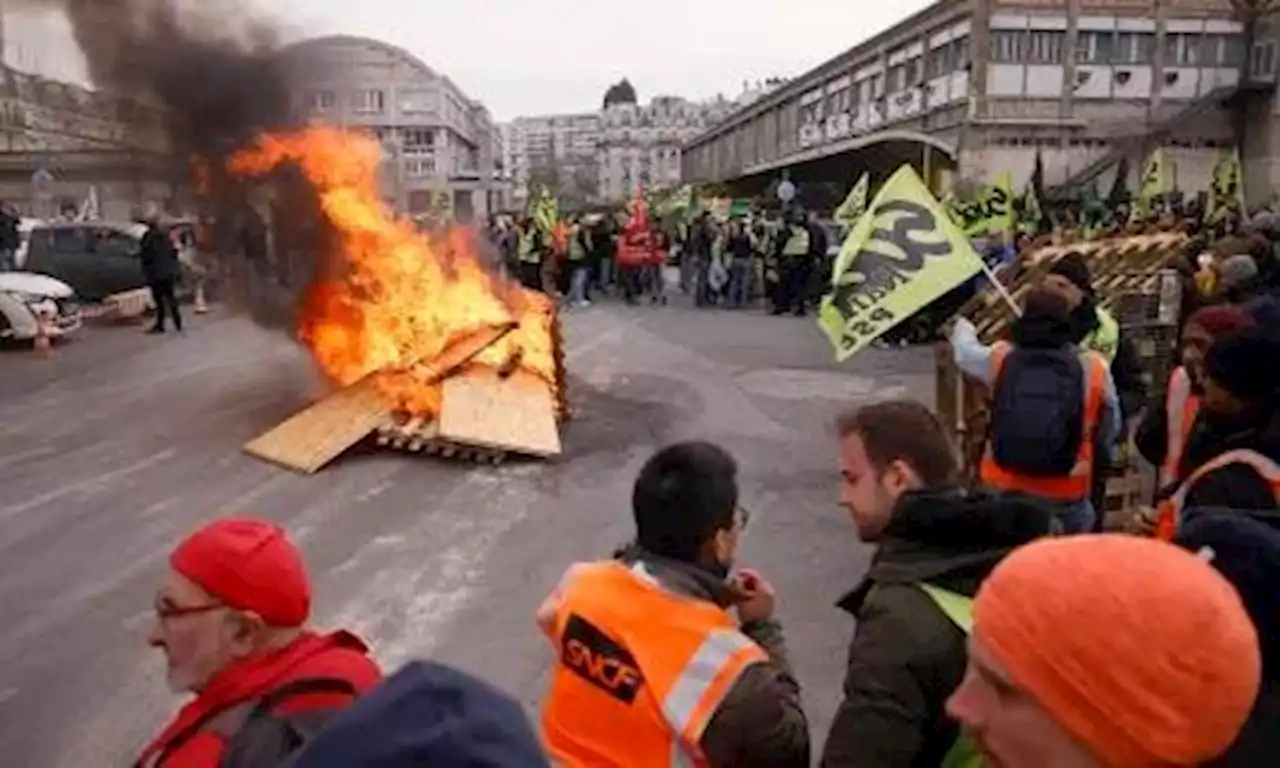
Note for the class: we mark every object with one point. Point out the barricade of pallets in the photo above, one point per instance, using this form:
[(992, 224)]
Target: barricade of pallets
[(1132, 278)]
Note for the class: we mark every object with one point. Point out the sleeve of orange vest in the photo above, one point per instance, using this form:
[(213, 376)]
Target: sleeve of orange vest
[(905, 659), (760, 723), (1234, 486)]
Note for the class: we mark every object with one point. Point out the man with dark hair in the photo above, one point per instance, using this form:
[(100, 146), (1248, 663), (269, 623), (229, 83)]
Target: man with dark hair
[(651, 668), (936, 545)]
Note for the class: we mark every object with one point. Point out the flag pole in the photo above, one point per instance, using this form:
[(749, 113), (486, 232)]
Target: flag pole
[(1000, 288)]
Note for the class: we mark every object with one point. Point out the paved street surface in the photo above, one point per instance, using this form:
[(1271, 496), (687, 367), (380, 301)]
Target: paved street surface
[(121, 443)]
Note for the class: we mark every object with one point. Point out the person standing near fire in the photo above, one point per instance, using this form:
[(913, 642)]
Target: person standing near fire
[(529, 247), (160, 268)]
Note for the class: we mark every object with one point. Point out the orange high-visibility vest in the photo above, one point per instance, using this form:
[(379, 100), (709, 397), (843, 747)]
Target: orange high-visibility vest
[(1180, 408), (1076, 485), (1170, 510), (639, 672)]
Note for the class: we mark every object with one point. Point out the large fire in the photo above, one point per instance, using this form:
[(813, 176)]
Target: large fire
[(400, 300)]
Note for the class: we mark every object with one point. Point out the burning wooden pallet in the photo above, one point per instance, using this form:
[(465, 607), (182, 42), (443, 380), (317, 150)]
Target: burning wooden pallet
[(1130, 276), (484, 415)]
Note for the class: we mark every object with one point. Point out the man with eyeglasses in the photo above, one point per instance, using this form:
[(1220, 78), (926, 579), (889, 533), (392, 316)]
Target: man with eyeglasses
[(651, 668), (230, 617)]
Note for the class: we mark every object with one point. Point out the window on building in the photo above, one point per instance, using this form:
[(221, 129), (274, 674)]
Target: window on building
[(370, 101), (1095, 47), (1046, 47), (1008, 46), (420, 167), (940, 61), (897, 76), (1231, 51), (877, 85), (914, 71), (321, 101), (1134, 48), (1181, 50), (417, 137), (960, 54)]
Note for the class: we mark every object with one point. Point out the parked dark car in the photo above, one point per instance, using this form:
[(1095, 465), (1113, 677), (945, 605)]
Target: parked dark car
[(96, 258)]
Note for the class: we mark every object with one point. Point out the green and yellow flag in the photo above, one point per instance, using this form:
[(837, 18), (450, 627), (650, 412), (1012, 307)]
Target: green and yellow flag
[(1156, 180), (854, 205), (901, 255), (1226, 191), (990, 212)]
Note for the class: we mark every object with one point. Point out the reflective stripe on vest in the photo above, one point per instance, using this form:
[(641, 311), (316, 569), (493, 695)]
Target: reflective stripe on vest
[(1077, 484), (676, 657), (959, 609), (1180, 409), (1170, 518)]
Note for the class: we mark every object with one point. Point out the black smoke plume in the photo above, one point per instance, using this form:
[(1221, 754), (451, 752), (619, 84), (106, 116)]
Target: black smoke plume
[(217, 70)]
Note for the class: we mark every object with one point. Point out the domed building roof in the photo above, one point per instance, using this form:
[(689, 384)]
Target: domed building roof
[(621, 92)]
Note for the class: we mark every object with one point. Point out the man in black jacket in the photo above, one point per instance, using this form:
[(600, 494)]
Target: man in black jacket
[(160, 268), (908, 655)]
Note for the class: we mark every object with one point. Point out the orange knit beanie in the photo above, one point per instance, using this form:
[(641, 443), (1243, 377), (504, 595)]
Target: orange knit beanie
[(1137, 648)]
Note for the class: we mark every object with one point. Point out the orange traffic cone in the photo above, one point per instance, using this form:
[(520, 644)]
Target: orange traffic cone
[(42, 344), (202, 307)]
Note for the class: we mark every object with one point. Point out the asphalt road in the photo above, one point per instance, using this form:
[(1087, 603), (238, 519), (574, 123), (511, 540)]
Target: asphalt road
[(120, 443)]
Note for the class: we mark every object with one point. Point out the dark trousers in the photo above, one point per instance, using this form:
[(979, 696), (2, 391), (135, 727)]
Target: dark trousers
[(793, 285), (531, 275), (165, 297)]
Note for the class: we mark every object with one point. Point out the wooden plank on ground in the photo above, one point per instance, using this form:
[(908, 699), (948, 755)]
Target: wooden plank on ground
[(317, 435), (516, 414)]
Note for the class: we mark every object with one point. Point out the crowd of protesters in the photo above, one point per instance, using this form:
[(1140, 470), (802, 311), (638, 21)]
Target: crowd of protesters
[(733, 263)]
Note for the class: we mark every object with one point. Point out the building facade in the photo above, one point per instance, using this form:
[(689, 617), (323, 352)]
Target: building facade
[(605, 156), (439, 146), (60, 140), (976, 87)]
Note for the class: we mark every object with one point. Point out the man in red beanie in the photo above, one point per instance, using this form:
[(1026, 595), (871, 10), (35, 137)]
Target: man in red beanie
[(1162, 437), (229, 619)]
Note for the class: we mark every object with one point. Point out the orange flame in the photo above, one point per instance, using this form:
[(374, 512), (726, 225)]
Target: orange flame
[(401, 298)]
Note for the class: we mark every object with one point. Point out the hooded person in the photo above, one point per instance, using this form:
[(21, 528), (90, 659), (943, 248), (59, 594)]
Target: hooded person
[(1162, 436), (1245, 548), (230, 620), (936, 544), (1172, 685), (427, 714)]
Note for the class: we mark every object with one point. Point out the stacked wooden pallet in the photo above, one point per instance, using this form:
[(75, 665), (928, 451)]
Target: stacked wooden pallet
[(1127, 272), (484, 414)]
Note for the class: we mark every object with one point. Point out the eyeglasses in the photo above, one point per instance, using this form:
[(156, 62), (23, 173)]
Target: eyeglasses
[(166, 610)]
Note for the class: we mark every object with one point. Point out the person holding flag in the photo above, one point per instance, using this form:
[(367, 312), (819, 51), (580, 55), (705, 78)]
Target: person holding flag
[(634, 249)]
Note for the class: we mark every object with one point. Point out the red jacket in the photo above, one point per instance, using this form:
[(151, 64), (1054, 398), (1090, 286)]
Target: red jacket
[(339, 655)]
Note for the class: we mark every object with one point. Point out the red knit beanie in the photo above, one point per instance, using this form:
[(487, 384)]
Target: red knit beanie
[(1139, 649), (1219, 319), (249, 565)]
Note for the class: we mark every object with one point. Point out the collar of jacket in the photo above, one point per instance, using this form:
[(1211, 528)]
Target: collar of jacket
[(951, 539), (680, 577)]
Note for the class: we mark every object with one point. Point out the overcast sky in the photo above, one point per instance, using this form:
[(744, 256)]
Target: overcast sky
[(523, 57)]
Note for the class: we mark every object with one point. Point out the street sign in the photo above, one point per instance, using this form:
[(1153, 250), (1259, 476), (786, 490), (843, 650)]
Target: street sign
[(786, 191)]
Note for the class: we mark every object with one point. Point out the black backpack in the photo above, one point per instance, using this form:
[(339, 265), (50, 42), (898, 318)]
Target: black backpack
[(256, 736), (1038, 412)]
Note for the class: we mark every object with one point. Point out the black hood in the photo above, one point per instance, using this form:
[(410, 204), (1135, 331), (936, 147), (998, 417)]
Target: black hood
[(951, 539), (1246, 546)]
